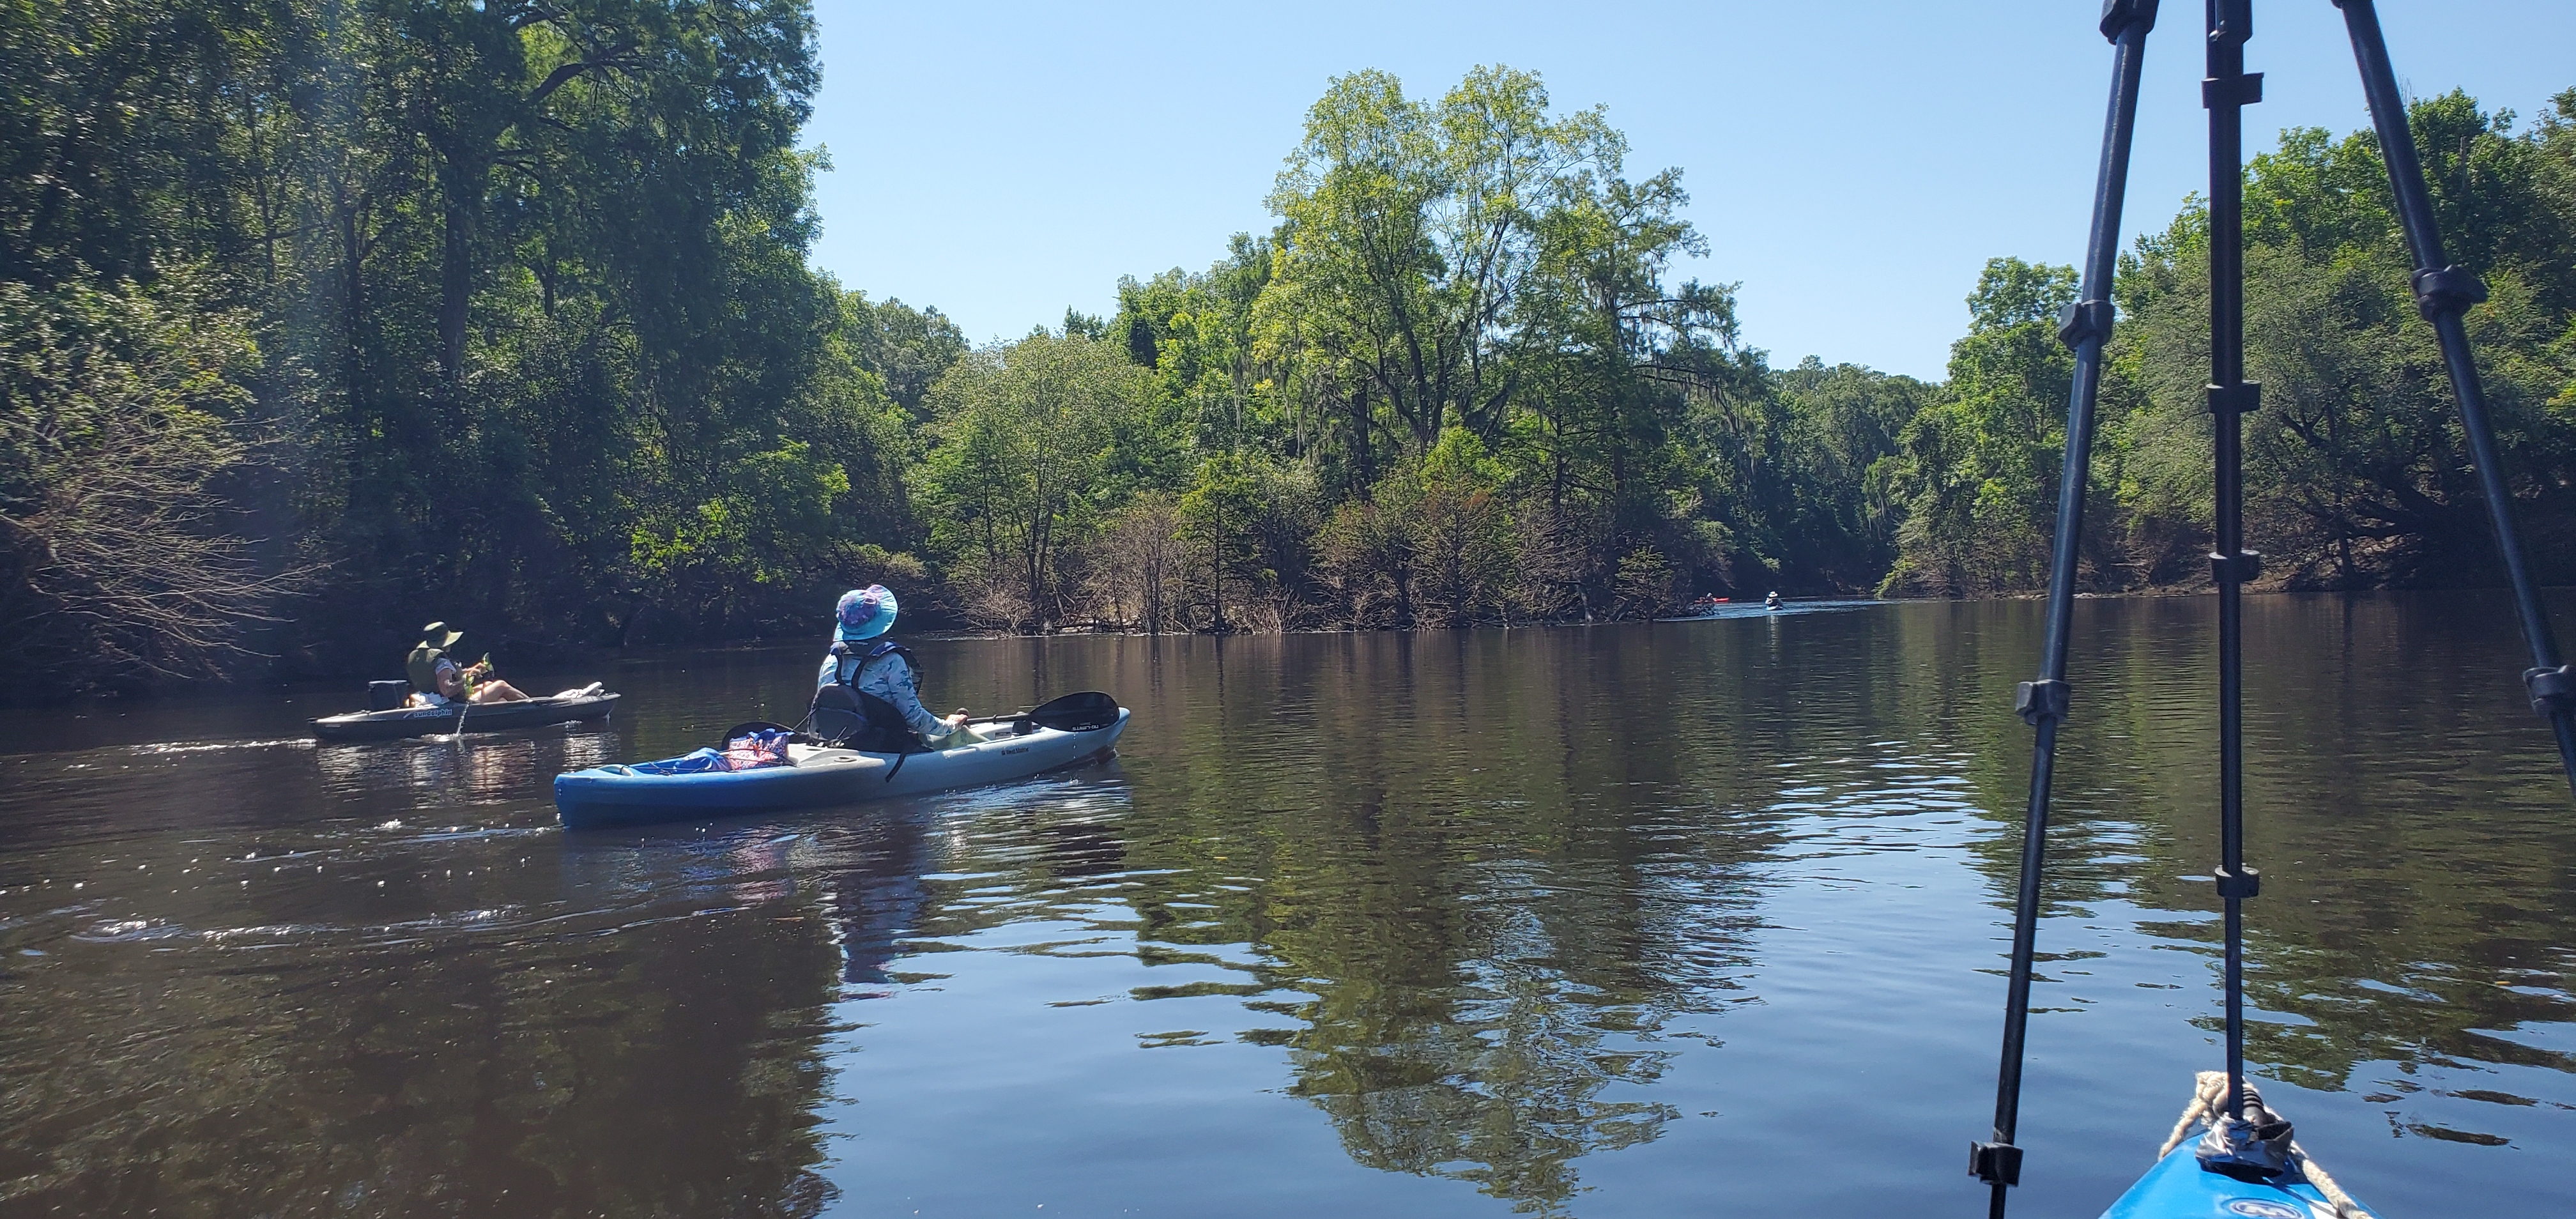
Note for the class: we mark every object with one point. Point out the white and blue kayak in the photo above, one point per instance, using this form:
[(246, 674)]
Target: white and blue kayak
[(817, 776), (2179, 1188)]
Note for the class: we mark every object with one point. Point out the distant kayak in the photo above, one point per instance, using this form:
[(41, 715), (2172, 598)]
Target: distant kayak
[(480, 717), (1757, 609), (604, 796)]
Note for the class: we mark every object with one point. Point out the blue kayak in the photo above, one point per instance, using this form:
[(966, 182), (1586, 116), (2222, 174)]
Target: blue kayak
[(605, 796), (2179, 1188)]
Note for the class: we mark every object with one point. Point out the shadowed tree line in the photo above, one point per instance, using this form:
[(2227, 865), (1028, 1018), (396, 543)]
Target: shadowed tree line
[(325, 317)]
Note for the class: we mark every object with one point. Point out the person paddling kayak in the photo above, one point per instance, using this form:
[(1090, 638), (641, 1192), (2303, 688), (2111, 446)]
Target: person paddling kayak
[(437, 680), (884, 677)]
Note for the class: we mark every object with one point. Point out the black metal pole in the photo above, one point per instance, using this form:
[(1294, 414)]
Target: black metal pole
[(2226, 91), (2442, 293), (2085, 326)]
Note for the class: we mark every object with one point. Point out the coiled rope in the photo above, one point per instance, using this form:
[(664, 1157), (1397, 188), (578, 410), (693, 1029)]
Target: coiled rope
[(2209, 1097)]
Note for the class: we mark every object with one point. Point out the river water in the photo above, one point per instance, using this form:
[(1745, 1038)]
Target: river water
[(1651, 919)]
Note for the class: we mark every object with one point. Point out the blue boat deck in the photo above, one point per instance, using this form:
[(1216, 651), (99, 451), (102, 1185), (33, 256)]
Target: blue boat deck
[(2178, 1188)]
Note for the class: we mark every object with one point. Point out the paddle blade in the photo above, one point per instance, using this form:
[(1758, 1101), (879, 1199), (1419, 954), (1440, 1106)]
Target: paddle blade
[(1079, 712)]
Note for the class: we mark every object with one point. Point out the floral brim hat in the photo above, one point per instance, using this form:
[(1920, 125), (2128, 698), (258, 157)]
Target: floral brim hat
[(865, 613)]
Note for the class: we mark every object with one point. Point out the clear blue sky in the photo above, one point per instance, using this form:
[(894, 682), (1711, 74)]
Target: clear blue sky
[(1852, 164)]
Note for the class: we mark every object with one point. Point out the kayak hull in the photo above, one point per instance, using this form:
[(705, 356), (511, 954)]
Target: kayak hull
[(2179, 1188), (610, 796), (403, 722)]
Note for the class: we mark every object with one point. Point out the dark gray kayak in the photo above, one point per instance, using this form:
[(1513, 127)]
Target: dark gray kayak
[(482, 717)]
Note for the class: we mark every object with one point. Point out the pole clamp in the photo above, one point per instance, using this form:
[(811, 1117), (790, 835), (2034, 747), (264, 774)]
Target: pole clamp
[(2449, 290), (2552, 690), (1995, 1163), (2237, 399), (2081, 320), (2246, 881), (2119, 15), (2045, 699), (2231, 92), (2243, 567)]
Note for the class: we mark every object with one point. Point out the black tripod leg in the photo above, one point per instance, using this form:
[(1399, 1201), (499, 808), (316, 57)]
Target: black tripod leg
[(2085, 327), (2442, 293), (2226, 91)]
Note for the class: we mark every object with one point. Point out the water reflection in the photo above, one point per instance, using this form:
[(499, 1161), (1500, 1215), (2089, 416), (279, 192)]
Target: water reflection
[(1478, 932), (490, 768), (2392, 815), (1594, 922), (394, 1021), (876, 905)]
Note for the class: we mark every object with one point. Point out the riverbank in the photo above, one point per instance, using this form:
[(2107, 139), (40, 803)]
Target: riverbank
[(545, 661)]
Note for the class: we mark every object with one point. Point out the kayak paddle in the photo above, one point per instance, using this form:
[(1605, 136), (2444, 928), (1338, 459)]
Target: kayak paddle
[(1082, 711)]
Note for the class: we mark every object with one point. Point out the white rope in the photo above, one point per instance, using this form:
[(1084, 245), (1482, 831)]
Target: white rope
[(2209, 1089), (2209, 1096), (2345, 1207)]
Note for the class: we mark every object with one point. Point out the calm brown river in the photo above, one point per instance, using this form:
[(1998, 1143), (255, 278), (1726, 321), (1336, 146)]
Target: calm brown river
[(1641, 920)]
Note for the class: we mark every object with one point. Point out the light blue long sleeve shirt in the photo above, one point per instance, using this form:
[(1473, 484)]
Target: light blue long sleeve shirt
[(888, 678)]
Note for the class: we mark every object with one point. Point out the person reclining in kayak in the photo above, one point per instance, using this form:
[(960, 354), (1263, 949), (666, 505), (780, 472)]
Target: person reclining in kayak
[(882, 674), (436, 681)]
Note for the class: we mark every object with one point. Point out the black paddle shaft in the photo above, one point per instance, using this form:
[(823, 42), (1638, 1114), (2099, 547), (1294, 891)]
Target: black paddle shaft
[(1082, 711)]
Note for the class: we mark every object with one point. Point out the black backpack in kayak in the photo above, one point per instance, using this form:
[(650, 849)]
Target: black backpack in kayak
[(845, 716)]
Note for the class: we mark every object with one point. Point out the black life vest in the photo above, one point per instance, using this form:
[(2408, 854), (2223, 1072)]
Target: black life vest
[(849, 717)]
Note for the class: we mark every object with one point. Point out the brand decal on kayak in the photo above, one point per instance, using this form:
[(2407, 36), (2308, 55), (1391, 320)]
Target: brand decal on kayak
[(1017, 749), (2258, 1208)]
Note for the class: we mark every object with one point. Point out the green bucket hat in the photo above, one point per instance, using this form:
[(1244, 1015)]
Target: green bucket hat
[(431, 635)]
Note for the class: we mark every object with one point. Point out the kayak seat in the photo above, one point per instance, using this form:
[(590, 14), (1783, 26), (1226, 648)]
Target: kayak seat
[(848, 719)]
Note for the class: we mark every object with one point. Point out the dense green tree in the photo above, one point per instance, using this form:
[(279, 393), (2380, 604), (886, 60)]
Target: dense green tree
[(906, 348), (2356, 473), (500, 311), (1021, 440), (1845, 422), (1408, 233), (531, 286), (1214, 526), (1196, 332), (1981, 462)]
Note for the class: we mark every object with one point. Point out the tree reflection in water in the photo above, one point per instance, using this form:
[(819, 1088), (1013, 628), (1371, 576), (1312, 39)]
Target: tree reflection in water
[(1477, 887), (2404, 810)]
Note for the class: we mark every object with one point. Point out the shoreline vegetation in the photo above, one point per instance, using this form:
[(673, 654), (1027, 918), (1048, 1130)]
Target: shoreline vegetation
[(319, 321)]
